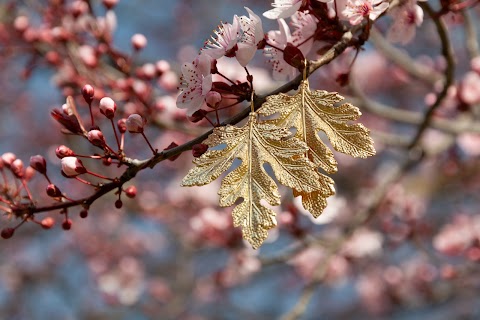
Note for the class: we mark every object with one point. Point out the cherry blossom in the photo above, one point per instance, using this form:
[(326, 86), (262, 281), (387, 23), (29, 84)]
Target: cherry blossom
[(305, 26), (279, 38), (196, 82), (283, 9), (252, 35), (225, 42), (406, 18), (356, 10)]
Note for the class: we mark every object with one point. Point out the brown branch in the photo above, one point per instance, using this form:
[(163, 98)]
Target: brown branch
[(447, 52), (136, 166)]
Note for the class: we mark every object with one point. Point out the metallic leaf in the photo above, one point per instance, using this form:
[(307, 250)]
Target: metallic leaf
[(255, 144), (310, 112)]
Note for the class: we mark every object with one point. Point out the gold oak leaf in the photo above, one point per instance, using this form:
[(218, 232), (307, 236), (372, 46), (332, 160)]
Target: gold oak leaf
[(254, 144), (310, 112)]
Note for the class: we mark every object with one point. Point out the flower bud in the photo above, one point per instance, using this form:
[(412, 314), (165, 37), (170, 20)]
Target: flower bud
[(7, 233), (84, 213), (88, 92), (53, 191), (199, 149), (96, 138), (131, 192), (162, 66), (135, 123), (8, 158), (213, 99), (108, 107), (38, 163), (67, 224), (122, 125), (64, 151), (47, 222), (29, 173), (17, 168), (21, 23), (118, 204), (139, 41), (72, 166)]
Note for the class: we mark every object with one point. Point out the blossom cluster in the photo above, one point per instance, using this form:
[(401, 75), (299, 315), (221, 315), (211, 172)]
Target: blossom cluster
[(316, 21)]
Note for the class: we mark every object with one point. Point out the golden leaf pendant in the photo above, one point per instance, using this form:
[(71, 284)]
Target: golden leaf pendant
[(255, 144), (309, 113), (295, 159)]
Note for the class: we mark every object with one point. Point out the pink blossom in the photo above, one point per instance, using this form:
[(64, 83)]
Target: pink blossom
[(279, 38), (225, 42), (283, 9), (196, 82), (252, 35), (305, 26), (469, 90), (356, 10), (405, 20), (139, 41)]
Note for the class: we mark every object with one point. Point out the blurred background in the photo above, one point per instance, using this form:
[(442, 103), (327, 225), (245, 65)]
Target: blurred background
[(172, 252)]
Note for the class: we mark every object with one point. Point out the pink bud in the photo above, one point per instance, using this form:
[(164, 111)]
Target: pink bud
[(139, 41), (72, 166), (64, 151), (212, 99), (78, 8), (38, 163), (29, 173), (96, 138), (109, 4), (47, 223), (21, 23), (149, 70), (87, 55), (162, 66), (88, 92), (108, 107), (53, 191), (8, 158), (17, 168), (135, 123), (122, 125), (7, 233), (131, 191)]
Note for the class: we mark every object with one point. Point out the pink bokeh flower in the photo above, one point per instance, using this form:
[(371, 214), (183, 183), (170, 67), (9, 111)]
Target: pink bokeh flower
[(195, 83), (252, 35), (356, 10), (406, 19)]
